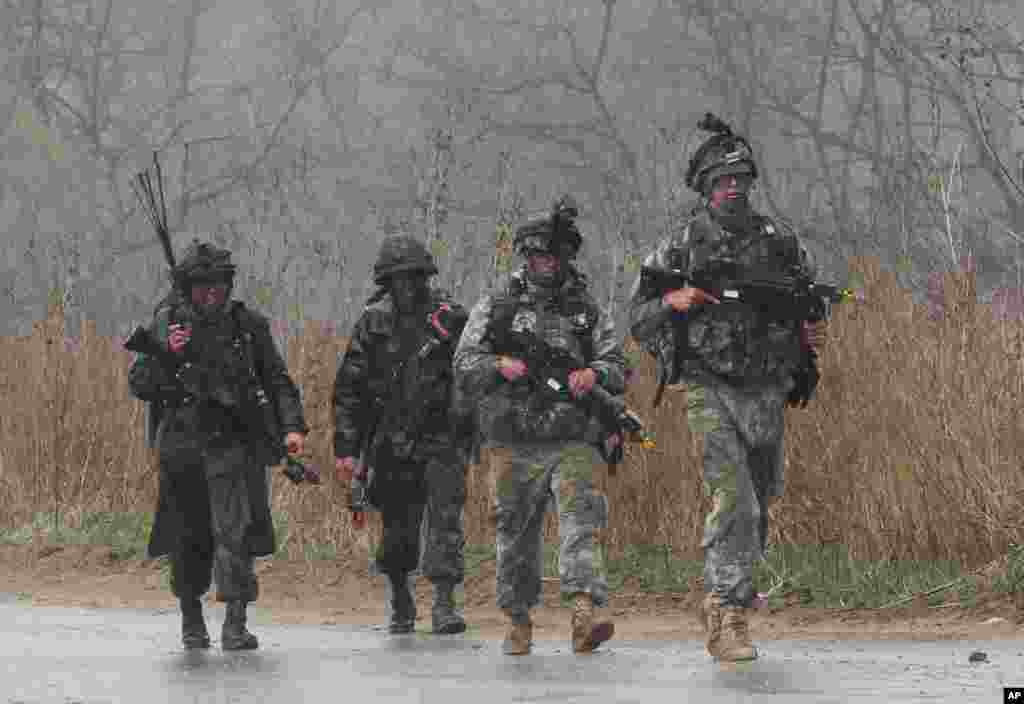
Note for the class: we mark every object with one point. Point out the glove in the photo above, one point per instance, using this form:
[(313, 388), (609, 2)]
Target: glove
[(806, 378)]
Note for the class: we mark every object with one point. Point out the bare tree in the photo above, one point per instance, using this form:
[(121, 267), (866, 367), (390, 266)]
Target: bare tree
[(103, 85), (556, 92), (925, 76)]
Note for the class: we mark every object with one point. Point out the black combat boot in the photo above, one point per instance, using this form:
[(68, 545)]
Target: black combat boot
[(445, 617), (193, 626), (403, 603), (233, 635)]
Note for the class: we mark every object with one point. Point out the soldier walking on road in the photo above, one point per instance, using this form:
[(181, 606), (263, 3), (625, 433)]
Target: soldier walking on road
[(213, 515), (543, 447), (392, 402), (740, 366)]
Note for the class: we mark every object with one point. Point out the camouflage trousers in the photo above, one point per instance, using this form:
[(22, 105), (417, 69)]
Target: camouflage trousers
[(212, 503), (421, 503), (527, 477), (743, 430)]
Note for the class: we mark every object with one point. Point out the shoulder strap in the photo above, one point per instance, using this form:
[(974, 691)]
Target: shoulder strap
[(505, 306), (585, 332), (241, 317)]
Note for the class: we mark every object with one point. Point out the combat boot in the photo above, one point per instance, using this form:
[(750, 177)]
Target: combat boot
[(518, 635), (193, 626), (711, 616), (587, 635), (444, 617), (233, 635), (736, 645), (403, 604)]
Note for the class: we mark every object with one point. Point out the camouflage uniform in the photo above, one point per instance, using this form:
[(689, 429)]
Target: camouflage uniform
[(393, 393), (544, 449), (738, 370), (213, 515)]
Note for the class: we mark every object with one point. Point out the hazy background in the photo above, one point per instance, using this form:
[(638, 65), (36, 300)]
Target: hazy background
[(301, 134), (889, 133)]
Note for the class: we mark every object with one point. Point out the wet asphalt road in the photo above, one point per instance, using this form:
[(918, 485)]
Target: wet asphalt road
[(68, 655)]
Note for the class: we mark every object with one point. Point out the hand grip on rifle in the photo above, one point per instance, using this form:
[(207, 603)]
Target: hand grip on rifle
[(142, 341), (344, 468), (511, 368), (294, 469), (179, 337), (297, 472), (358, 505), (581, 381), (682, 299)]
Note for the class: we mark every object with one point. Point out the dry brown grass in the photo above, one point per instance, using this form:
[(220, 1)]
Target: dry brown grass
[(911, 450)]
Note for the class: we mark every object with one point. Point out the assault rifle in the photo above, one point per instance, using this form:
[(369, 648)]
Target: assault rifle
[(789, 298), (792, 297), (549, 367)]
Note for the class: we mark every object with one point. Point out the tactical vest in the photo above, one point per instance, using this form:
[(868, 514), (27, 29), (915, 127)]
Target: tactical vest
[(235, 377), (231, 359), (760, 248), (732, 340), (565, 321), (410, 379)]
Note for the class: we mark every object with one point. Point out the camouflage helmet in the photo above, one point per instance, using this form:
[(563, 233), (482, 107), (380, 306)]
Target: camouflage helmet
[(555, 232), (402, 253), (203, 261), (722, 154)]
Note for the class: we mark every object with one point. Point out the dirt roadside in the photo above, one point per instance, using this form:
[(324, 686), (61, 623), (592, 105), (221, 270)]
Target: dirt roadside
[(342, 592)]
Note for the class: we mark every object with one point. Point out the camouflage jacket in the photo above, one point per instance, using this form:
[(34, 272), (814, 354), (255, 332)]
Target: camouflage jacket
[(238, 352), (733, 342), (394, 380), (567, 318)]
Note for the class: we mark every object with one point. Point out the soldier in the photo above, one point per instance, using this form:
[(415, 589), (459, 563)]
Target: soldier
[(213, 514), (392, 397), (544, 448), (739, 368)]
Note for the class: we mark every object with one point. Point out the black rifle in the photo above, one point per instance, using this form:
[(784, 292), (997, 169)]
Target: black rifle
[(790, 298), (549, 367), (794, 297)]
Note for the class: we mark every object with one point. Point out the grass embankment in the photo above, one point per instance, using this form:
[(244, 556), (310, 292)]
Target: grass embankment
[(902, 476)]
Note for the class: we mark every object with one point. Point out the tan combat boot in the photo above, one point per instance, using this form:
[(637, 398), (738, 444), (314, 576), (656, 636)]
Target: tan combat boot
[(736, 645), (587, 635), (518, 636), (711, 615)]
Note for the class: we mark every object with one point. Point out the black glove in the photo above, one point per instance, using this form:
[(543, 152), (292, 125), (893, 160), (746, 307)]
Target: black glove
[(806, 378)]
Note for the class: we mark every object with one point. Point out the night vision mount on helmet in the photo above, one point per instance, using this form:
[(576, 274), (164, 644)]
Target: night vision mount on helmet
[(555, 232), (723, 153)]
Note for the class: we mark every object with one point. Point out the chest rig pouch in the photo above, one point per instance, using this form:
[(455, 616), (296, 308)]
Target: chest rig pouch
[(733, 340), (219, 384), (565, 321)]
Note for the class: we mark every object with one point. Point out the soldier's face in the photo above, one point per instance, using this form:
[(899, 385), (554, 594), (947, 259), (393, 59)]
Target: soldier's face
[(542, 263), (409, 289), (209, 294), (730, 189)]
